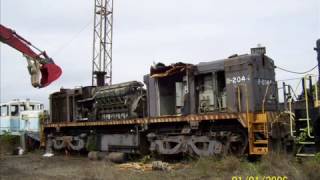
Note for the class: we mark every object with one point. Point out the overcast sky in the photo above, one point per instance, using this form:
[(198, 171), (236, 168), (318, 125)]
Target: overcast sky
[(147, 31)]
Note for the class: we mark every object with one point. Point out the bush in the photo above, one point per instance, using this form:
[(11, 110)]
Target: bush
[(8, 143)]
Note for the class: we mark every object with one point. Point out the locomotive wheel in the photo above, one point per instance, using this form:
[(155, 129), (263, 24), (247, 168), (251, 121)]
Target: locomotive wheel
[(237, 142)]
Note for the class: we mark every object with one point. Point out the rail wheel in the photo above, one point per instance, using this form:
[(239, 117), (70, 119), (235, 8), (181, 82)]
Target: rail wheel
[(237, 142)]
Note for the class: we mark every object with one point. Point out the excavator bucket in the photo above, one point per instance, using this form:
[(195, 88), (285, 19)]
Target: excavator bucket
[(49, 73)]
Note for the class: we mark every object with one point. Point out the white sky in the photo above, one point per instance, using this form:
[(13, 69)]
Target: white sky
[(147, 31)]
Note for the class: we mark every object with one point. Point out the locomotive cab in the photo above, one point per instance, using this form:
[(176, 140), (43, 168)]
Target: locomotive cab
[(244, 83)]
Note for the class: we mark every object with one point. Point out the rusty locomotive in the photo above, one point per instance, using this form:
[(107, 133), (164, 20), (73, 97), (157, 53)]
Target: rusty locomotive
[(210, 108)]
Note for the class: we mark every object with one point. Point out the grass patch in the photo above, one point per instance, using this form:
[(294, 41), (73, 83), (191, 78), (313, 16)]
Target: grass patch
[(61, 167), (272, 165), (8, 143)]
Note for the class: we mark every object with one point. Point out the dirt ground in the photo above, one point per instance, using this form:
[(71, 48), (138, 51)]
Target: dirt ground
[(33, 166)]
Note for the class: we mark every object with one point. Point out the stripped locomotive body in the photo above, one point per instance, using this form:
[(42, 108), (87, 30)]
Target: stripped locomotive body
[(206, 109)]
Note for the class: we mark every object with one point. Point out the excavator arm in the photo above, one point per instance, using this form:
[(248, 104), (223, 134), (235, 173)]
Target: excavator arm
[(41, 67)]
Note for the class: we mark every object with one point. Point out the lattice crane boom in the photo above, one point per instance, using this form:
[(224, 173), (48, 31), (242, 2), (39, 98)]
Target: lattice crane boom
[(102, 43)]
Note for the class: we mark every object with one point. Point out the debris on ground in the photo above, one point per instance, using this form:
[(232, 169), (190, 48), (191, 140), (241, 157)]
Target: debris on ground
[(153, 166), (116, 157), (161, 166), (19, 151), (96, 156), (135, 166), (48, 155)]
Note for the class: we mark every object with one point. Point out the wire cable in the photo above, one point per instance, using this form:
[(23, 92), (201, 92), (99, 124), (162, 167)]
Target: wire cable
[(297, 87), (66, 44), (289, 79), (295, 72)]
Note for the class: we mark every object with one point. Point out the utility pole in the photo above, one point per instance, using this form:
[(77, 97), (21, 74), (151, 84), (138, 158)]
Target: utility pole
[(317, 48), (102, 43), (316, 123)]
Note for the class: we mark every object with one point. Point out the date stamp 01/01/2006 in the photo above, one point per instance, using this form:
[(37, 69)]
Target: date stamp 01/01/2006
[(259, 178)]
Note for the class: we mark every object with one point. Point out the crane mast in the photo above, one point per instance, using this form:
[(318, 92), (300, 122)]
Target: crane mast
[(102, 43)]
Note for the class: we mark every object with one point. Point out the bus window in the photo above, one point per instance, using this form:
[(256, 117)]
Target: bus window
[(22, 108), (14, 110), (32, 107), (4, 110)]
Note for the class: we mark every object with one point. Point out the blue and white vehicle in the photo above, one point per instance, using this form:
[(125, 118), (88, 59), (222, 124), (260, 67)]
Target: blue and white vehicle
[(20, 116)]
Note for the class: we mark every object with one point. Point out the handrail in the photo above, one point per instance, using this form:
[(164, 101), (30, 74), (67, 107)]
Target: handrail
[(311, 92), (247, 100), (307, 106), (248, 118), (264, 98), (239, 99), (291, 117)]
